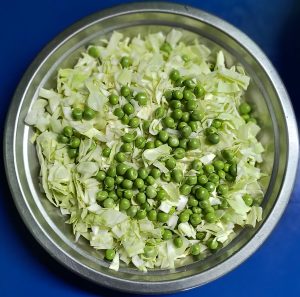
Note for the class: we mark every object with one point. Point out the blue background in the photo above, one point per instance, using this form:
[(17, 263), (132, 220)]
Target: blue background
[(25, 268)]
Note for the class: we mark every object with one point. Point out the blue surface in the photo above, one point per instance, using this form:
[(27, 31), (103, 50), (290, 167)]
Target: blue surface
[(25, 268)]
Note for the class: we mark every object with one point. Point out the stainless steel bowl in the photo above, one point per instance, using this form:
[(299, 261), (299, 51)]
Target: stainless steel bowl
[(267, 93)]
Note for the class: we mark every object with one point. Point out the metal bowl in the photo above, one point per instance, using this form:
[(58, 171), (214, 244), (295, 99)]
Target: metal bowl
[(267, 93)]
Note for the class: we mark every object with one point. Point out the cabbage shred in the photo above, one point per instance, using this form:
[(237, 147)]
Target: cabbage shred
[(181, 210)]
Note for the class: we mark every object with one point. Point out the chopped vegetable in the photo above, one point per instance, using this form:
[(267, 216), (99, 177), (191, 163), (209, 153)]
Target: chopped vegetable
[(150, 151)]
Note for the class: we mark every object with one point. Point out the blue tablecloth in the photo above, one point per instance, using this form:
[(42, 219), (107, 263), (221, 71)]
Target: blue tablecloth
[(25, 268)]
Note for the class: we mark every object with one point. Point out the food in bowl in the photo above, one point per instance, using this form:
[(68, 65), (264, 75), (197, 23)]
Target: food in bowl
[(148, 146)]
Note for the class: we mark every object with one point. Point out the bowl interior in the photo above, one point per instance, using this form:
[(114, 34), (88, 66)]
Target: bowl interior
[(261, 93)]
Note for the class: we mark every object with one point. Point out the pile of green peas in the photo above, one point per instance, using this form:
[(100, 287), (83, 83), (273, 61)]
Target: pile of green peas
[(245, 110), (72, 139)]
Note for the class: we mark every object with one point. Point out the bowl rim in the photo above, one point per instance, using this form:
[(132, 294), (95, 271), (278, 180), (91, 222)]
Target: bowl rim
[(185, 282)]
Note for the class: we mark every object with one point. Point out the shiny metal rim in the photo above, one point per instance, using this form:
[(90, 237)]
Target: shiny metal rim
[(183, 283)]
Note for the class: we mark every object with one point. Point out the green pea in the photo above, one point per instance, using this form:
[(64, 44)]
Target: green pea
[(188, 95), (88, 113), (108, 203), (210, 186), (128, 194), (127, 184), (128, 109), (159, 112), (244, 108), (175, 104), (100, 175), (170, 163), (176, 114), (161, 195), (140, 142), (195, 249), (200, 235), (72, 153), (134, 122), (233, 169), (119, 179), (141, 214), (143, 173), (140, 198), (77, 113), (229, 177), (179, 153), (169, 122), (132, 210), (166, 47), (62, 139), (202, 179), (253, 120), (179, 82), (128, 137), (185, 117), (151, 192), (173, 141), (216, 123), (185, 189), (214, 178), (177, 175), (150, 180), (113, 99), (222, 189), (113, 195), (199, 91), (110, 254), (125, 120), (119, 113), (248, 199), (186, 131), (150, 145), (202, 193), (195, 188), (196, 165), (131, 174), (191, 180), (210, 130), (167, 235), (152, 215), (155, 173), (101, 195), (158, 143), (126, 62), (139, 183), (189, 83), (174, 75), (126, 147), (210, 217), (228, 155), (246, 117), (184, 217), (120, 157), (218, 165), (193, 143), (163, 136), (209, 168), (177, 95), (141, 98), (197, 115), (191, 105), (109, 181), (68, 131), (192, 201), (195, 219), (213, 138), (94, 52), (193, 125), (204, 204), (183, 143), (221, 174), (162, 217), (226, 167), (111, 171), (196, 209), (125, 91), (124, 204), (168, 95), (106, 152)]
